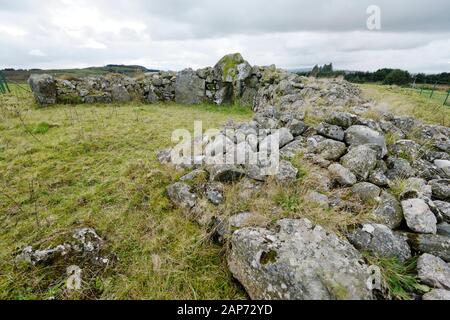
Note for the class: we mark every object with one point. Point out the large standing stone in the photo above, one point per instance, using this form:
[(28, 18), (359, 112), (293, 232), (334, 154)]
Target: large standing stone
[(119, 93), (418, 216), (433, 271), (360, 135), (300, 261), (380, 240), (44, 88), (189, 88), (360, 160)]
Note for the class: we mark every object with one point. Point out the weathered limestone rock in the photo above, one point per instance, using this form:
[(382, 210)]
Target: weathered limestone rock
[(444, 208), (286, 172), (361, 135), (418, 216), (399, 168), (379, 240), (86, 241), (330, 149), (180, 194), (291, 263), (389, 211), (367, 192), (441, 189), (342, 175), (437, 294), (189, 88), (342, 119), (318, 199), (406, 149), (415, 188), (120, 94), (331, 131), (433, 271), (360, 160), (436, 245), (225, 173), (214, 192), (444, 166), (44, 88)]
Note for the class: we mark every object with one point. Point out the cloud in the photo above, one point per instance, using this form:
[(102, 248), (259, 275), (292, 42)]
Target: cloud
[(173, 34), (37, 53)]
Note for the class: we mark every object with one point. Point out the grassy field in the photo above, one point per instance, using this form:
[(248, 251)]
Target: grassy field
[(407, 101), (65, 167)]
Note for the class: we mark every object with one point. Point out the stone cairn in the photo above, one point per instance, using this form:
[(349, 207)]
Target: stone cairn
[(297, 259)]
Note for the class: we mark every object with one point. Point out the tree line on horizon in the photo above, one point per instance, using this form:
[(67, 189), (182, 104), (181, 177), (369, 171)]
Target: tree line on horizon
[(385, 75)]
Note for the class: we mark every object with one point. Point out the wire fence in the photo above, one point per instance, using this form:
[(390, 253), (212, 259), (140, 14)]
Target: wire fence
[(438, 92)]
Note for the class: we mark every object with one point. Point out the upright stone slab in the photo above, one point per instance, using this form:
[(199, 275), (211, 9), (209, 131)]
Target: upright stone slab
[(189, 88)]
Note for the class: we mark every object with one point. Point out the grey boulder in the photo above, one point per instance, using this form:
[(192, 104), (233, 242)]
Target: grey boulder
[(180, 194), (389, 211), (300, 261), (433, 271), (330, 149), (379, 240), (367, 192), (189, 88), (44, 88), (342, 175), (418, 216), (360, 135), (331, 131), (360, 160), (441, 189), (437, 294)]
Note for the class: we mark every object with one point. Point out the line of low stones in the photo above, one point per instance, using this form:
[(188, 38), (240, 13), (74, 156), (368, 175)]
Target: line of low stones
[(300, 260)]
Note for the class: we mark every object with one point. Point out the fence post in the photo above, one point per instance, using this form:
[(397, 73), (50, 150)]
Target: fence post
[(432, 90), (3, 83), (446, 98)]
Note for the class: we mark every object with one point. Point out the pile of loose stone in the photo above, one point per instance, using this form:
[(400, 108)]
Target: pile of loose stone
[(300, 260)]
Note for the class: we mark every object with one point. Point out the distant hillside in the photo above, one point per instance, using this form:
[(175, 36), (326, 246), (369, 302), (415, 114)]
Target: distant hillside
[(23, 75)]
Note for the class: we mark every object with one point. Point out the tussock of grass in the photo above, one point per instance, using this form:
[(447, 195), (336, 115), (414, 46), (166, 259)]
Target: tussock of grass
[(399, 278)]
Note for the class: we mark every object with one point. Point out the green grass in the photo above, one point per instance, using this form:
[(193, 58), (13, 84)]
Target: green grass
[(399, 278), (407, 101), (64, 167)]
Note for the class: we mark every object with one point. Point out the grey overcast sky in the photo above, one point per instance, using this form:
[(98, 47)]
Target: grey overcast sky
[(174, 34)]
